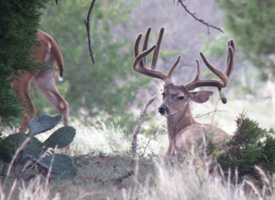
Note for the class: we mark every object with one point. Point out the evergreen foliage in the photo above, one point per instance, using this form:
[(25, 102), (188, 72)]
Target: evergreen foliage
[(108, 88), (250, 146), (18, 23), (252, 24)]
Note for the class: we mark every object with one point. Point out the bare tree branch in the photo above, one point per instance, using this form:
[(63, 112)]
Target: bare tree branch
[(200, 20), (87, 24), (154, 136), (208, 113), (137, 128)]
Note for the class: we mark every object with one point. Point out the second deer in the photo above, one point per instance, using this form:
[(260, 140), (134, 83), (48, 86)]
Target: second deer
[(46, 52), (183, 130)]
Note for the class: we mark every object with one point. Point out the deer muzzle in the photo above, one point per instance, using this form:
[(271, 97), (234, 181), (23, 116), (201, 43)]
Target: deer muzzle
[(163, 110)]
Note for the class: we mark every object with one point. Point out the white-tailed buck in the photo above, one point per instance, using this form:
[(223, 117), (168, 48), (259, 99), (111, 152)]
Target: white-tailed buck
[(183, 130), (46, 52)]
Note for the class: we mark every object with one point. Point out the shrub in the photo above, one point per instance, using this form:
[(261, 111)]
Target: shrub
[(251, 146)]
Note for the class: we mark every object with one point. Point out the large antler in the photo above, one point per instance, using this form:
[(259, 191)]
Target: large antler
[(224, 76), (139, 63)]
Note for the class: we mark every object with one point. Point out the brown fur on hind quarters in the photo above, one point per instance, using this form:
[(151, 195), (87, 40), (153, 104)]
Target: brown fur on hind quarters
[(46, 52), (183, 130)]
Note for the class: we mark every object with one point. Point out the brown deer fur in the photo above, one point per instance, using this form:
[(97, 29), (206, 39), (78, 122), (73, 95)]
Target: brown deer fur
[(46, 52), (183, 130)]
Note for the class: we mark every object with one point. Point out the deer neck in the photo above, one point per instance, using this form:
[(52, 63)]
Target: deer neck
[(179, 121)]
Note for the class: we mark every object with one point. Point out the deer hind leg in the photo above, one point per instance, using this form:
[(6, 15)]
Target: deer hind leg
[(45, 83), (21, 88)]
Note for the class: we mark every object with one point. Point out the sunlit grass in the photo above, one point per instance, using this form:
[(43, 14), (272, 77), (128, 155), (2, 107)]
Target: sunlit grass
[(36, 189), (108, 139), (192, 179)]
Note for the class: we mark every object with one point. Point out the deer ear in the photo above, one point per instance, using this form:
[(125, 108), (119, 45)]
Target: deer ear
[(201, 96)]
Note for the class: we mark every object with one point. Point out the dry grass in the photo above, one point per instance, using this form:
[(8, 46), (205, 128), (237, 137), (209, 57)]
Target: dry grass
[(108, 172), (167, 179)]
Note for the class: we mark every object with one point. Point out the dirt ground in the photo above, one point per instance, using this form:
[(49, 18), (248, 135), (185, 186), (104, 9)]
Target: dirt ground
[(99, 177)]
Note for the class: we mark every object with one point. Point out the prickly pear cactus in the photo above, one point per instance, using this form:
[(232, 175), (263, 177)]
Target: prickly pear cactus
[(44, 123), (32, 150), (5, 151), (15, 141), (60, 138), (62, 166)]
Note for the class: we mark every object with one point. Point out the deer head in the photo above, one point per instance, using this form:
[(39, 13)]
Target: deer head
[(176, 98)]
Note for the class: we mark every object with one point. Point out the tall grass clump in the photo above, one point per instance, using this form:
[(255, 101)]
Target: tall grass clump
[(106, 138), (35, 189), (190, 179), (99, 138)]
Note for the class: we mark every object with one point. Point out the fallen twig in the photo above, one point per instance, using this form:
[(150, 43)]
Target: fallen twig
[(196, 18), (87, 24), (118, 181), (137, 128)]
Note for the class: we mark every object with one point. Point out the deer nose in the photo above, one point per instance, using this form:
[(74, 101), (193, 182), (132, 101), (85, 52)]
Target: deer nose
[(163, 109)]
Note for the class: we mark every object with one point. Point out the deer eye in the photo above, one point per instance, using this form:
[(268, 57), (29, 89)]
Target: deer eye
[(163, 94), (180, 98)]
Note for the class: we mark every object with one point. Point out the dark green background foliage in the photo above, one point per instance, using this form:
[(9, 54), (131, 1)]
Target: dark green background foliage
[(252, 24), (250, 146), (107, 88), (18, 23)]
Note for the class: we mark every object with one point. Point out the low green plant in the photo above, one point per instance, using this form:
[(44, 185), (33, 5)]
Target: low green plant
[(250, 149), (25, 150)]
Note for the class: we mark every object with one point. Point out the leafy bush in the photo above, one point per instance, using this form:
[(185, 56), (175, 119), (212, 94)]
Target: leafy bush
[(251, 146), (23, 149)]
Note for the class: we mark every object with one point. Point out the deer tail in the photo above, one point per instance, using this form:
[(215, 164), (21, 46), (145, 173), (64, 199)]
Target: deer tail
[(58, 58)]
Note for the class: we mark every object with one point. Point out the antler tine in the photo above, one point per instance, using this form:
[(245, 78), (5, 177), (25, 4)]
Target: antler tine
[(224, 77), (197, 77), (220, 74), (143, 70), (194, 83), (139, 62), (136, 46), (146, 39), (230, 58), (145, 44), (156, 52), (169, 75)]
